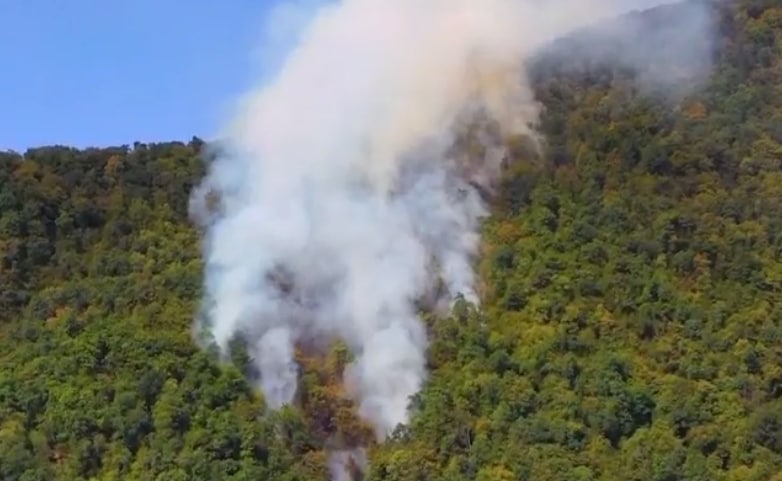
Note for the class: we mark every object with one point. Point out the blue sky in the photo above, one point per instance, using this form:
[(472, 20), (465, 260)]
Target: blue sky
[(110, 72)]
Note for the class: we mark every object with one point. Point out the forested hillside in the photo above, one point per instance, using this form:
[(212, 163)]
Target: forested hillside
[(631, 328)]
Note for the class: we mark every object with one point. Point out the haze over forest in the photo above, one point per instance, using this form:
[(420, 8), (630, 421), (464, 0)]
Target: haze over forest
[(462, 240)]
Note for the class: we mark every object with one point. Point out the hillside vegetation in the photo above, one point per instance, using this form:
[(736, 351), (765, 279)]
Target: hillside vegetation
[(631, 327)]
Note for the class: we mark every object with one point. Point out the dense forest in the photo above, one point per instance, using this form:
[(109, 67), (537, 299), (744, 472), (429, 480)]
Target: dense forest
[(631, 328)]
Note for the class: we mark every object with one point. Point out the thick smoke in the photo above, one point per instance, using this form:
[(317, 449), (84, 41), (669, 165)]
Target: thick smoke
[(337, 199)]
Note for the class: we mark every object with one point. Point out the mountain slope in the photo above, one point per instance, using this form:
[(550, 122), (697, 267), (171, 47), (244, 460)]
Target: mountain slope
[(630, 331), (632, 323)]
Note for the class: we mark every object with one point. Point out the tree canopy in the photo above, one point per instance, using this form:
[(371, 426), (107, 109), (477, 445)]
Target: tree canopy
[(631, 325)]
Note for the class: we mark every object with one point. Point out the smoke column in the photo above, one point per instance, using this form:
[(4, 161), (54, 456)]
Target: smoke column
[(336, 201)]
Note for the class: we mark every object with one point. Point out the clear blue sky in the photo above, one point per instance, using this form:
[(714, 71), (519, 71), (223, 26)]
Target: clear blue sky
[(110, 72)]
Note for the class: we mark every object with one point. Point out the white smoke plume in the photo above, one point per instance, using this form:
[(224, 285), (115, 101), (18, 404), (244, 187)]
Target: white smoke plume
[(338, 201), (343, 464)]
